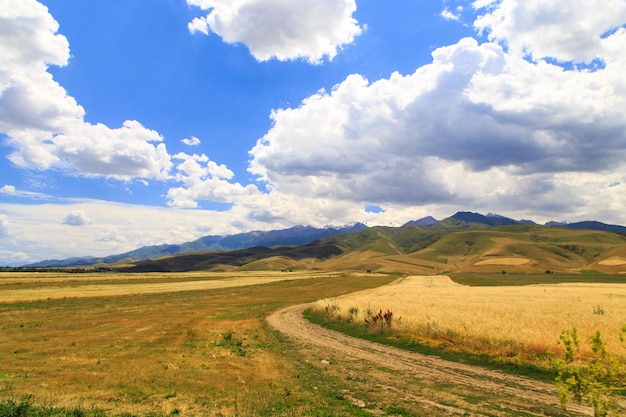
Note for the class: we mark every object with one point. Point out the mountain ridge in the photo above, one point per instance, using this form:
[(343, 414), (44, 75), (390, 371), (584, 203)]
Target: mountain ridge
[(299, 235), (296, 235), (448, 247)]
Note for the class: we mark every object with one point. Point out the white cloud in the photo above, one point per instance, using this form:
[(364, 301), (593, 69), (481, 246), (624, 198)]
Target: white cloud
[(28, 48), (4, 226), (10, 190), (7, 189), (123, 153), (45, 125), (448, 15), (191, 141), (204, 179), (76, 218), (478, 127), (11, 258), (566, 31), (111, 235), (284, 30)]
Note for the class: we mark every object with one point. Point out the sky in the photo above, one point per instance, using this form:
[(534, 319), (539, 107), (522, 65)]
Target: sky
[(133, 123)]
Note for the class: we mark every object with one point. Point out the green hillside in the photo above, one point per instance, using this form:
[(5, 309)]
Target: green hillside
[(449, 246)]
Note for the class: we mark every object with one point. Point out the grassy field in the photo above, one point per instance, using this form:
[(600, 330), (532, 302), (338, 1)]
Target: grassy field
[(511, 324), (172, 345), (197, 344)]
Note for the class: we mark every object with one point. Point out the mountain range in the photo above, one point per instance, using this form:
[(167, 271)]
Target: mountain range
[(293, 236), (302, 242)]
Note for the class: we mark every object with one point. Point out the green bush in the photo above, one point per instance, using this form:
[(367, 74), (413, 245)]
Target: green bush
[(595, 377)]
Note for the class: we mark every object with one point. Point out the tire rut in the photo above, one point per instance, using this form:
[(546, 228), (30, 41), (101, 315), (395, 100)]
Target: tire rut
[(290, 322)]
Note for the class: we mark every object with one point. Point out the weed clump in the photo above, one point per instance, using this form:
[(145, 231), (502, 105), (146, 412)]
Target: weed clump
[(26, 407), (380, 319)]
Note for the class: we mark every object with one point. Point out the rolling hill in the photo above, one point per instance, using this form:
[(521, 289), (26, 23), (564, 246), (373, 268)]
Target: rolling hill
[(451, 245)]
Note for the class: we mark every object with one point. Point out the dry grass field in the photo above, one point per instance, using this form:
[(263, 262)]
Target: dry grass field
[(161, 344), (45, 286), (518, 324)]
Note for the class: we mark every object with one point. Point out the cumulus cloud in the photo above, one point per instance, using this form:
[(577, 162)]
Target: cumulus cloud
[(191, 141), (447, 14), (480, 126), (203, 179), (7, 189), (285, 30), (45, 126), (567, 31), (76, 218), (4, 226)]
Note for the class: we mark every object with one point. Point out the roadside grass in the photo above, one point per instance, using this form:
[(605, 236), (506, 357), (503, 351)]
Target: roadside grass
[(188, 353), (431, 347), (501, 323)]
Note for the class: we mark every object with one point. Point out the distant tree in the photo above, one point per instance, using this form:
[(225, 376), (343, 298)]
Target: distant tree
[(594, 376)]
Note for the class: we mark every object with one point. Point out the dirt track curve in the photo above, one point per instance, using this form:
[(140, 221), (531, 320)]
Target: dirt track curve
[(438, 386)]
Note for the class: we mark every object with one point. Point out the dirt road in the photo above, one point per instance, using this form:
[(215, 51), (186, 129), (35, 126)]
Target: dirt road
[(419, 382)]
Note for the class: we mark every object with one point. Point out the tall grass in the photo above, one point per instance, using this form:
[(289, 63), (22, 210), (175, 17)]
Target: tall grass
[(516, 325)]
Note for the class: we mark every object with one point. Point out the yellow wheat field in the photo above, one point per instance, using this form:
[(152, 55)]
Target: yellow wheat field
[(532, 315)]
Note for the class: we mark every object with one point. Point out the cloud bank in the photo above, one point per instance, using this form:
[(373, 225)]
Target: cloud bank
[(4, 226), (482, 125)]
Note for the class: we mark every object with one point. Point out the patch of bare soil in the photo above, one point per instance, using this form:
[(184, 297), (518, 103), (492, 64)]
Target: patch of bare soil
[(386, 375), (613, 261), (503, 261)]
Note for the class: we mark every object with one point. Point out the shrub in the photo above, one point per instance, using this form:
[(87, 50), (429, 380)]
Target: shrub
[(592, 376)]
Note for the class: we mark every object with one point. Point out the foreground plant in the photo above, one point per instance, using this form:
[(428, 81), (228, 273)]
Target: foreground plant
[(380, 319), (25, 407), (597, 376)]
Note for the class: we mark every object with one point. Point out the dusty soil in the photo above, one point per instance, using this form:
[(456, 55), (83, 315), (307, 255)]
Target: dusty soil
[(416, 382)]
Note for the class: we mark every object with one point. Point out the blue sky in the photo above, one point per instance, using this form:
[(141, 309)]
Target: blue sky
[(125, 124)]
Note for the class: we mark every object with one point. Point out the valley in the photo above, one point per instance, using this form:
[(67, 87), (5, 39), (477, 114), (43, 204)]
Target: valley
[(221, 333)]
